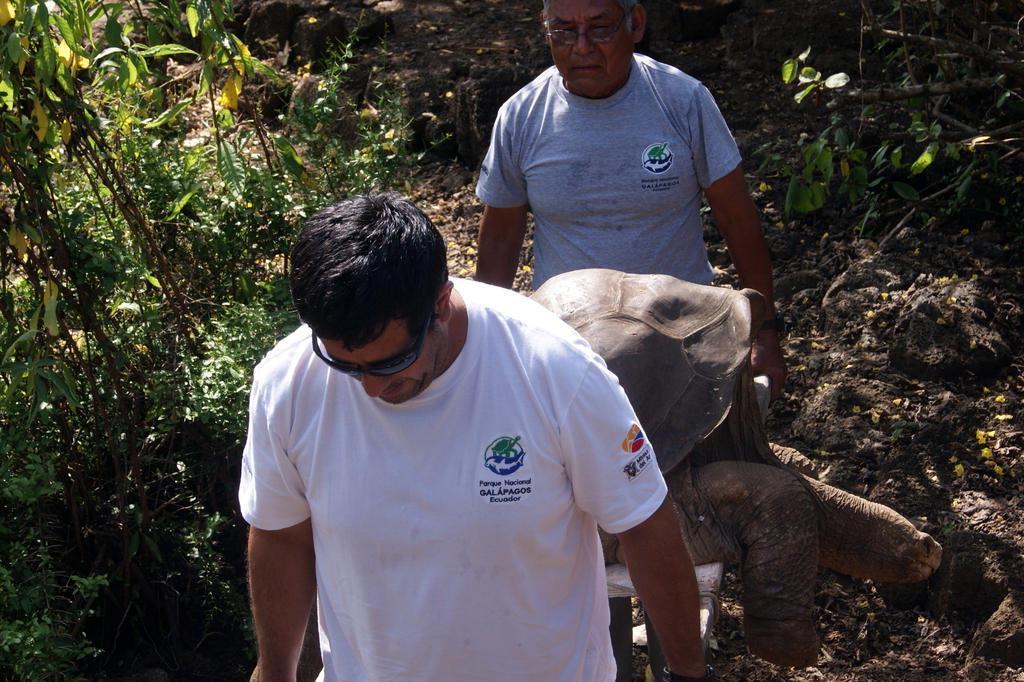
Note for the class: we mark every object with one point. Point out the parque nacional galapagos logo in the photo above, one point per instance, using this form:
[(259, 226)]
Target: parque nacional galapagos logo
[(505, 455), (657, 158)]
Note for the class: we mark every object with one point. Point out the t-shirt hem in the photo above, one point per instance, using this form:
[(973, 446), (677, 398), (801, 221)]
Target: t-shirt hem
[(276, 524), (729, 165), (642, 513), (490, 199)]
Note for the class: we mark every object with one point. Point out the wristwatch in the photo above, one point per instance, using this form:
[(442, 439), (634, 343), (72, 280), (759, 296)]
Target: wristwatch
[(669, 676), (776, 323)]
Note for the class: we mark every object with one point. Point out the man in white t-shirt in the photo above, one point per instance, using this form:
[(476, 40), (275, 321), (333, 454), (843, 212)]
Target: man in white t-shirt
[(431, 460)]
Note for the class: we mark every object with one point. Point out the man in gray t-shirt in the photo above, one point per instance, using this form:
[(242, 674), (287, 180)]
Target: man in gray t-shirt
[(613, 152)]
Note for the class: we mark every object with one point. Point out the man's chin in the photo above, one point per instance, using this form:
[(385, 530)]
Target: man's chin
[(405, 391)]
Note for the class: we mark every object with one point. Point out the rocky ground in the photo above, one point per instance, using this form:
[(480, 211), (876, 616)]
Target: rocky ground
[(905, 387)]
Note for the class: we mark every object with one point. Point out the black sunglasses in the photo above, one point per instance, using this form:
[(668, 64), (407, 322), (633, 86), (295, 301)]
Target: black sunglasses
[(383, 368)]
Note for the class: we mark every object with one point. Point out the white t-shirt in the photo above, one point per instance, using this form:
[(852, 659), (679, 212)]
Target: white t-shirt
[(456, 533), (613, 182)]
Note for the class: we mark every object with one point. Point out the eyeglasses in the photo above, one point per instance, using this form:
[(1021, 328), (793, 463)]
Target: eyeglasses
[(383, 368), (595, 34)]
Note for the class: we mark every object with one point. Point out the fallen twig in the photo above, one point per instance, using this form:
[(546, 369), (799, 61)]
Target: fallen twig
[(860, 97)]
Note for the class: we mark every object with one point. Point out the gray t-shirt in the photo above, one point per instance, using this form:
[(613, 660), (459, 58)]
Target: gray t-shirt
[(613, 182)]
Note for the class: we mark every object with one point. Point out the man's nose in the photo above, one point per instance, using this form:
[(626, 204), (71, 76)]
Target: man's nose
[(583, 43), (374, 385)]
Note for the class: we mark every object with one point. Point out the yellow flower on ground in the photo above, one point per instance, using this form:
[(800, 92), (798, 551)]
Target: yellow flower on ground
[(986, 453), (1000, 398), (959, 470), (980, 435)]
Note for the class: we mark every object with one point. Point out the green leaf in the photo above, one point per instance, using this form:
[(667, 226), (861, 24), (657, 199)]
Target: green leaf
[(896, 158), (842, 137), (193, 20), (127, 74), (180, 204), (46, 60), (205, 79), (12, 349), (14, 50), (62, 387), (106, 53), (289, 157), (167, 50), (6, 94), (809, 74), (230, 170), (925, 160), (50, 296), (789, 71), (837, 80), (112, 31), (905, 191), (225, 119), (168, 115), (818, 192), (802, 95), (65, 31), (964, 187), (824, 162)]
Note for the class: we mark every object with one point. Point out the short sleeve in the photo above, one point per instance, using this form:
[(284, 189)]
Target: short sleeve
[(271, 492), (715, 153), (502, 183), (609, 461)]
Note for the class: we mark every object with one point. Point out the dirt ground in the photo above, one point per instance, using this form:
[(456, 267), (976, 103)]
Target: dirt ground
[(904, 385)]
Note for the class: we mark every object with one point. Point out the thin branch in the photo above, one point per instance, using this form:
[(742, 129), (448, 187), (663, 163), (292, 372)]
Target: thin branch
[(859, 97), (1006, 60), (893, 231)]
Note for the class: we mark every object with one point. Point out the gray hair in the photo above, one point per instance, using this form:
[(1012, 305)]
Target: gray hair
[(626, 5)]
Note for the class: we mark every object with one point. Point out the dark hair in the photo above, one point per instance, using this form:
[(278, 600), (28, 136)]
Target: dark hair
[(363, 262)]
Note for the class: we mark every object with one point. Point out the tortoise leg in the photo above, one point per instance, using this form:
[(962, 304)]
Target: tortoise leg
[(869, 540), (766, 517)]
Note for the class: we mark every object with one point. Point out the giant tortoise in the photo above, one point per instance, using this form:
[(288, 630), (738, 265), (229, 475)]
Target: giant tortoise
[(681, 352)]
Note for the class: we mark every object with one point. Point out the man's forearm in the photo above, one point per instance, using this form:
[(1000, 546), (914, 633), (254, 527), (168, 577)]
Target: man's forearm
[(662, 571), (282, 585), (499, 243)]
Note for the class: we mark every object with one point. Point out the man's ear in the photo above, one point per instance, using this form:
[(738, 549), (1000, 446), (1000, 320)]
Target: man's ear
[(638, 17), (443, 302)]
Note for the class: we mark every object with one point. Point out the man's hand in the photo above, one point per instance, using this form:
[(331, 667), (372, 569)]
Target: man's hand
[(282, 584), (499, 243), (766, 358), (662, 571), (739, 222)]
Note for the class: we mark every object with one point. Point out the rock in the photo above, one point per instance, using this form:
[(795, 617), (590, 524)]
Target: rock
[(801, 281), (477, 100), (316, 34), (688, 20), (270, 23), (704, 18), (946, 331), (969, 582), (1001, 637), (858, 289)]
